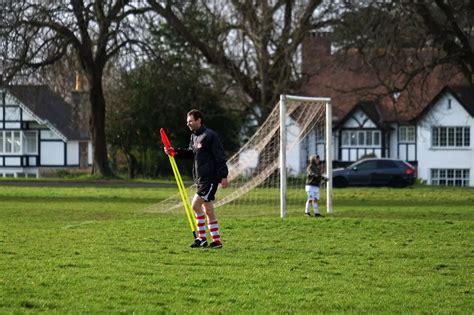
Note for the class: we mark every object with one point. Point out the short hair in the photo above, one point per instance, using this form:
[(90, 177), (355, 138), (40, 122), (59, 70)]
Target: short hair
[(196, 114)]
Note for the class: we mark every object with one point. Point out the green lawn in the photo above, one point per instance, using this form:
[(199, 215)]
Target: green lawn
[(94, 250)]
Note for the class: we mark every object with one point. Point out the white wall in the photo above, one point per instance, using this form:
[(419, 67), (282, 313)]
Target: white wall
[(293, 160), (444, 158), (393, 141), (89, 153), (52, 153), (72, 153)]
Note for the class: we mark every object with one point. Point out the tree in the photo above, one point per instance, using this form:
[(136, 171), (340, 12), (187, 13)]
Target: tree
[(253, 43), (43, 32), (401, 43), (156, 94)]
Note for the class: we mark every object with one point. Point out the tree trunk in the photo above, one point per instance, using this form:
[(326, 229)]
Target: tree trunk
[(97, 124)]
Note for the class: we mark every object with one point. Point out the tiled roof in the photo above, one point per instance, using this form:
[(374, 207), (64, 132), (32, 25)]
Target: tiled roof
[(48, 105), (465, 95), (349, 82)]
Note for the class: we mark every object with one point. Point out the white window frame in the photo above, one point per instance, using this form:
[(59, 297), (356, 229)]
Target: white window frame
[(456, 177), (406, 134), (25, 142), (350, 138), (450, 137), (17, 140)]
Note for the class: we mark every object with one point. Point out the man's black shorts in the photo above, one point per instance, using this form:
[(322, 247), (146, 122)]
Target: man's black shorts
[(207, 191)]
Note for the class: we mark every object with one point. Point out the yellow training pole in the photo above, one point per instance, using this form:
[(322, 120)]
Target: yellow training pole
[(179, 181), (184, 194)]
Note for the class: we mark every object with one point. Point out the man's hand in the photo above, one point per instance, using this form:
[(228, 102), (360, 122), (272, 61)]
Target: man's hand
[(224, 183), (168, 151)]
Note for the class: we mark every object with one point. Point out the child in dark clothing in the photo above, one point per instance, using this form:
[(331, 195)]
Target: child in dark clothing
[(313, 179)]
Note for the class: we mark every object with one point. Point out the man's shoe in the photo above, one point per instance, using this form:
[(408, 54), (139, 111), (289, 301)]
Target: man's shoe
[(317, 215), (307, 214), (215, 245), (199, 243)]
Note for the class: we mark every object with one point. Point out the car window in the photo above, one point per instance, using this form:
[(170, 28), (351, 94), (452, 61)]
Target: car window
[(386, 164), (367, 165)]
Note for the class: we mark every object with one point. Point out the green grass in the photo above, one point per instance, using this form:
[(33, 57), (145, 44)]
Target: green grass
[(94, 250)]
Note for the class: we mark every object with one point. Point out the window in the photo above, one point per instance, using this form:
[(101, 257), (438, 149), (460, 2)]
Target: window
[(450, 137), (30, 140), (450, 177), (320, 133), (386, 164), (368, 165), (16, 142), (360, 138), (11, 141), (406, 133)]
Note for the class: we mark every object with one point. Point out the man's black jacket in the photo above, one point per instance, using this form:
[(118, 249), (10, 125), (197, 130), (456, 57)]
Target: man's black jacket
[(209, 158)]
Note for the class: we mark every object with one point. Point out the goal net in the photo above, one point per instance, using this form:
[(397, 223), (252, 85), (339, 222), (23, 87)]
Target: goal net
[(269, 171)]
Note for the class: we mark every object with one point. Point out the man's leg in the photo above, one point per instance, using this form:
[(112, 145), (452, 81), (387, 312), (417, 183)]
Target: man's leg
[(197, 204), (213, 225)]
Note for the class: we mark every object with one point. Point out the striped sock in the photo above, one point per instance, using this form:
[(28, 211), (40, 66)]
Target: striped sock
[(201, 226), (214, 230)]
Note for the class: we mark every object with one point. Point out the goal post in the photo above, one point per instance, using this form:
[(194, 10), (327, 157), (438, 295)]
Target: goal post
[(268, 172), (283, 147)]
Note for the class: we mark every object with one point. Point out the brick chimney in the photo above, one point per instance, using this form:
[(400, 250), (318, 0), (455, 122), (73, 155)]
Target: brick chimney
[(316, 51)]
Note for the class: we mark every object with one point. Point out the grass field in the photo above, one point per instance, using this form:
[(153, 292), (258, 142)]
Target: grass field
[(94, 250)]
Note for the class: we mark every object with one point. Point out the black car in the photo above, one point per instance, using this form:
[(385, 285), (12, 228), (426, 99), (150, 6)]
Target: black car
[(375, 172)]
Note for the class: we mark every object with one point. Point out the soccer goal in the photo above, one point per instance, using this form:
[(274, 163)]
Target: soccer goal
[(269, 170)]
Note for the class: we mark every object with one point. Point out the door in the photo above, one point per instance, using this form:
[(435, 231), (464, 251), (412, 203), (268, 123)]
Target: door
[(384, 172), (362, 173)]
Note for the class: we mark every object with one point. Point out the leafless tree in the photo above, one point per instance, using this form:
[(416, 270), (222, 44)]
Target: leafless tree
[(254, 43), (41, 33), (400, 42)]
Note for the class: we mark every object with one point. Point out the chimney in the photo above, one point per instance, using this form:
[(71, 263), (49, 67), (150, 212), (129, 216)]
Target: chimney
[(80, 105), (78, 86), (316, 50)]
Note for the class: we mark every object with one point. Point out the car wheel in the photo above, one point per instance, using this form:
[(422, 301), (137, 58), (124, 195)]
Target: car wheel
[(340, 182), (398, 182)]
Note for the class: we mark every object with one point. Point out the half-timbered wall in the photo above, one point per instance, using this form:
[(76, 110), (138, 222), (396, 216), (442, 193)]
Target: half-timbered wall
[(26, 144), (358, 137)]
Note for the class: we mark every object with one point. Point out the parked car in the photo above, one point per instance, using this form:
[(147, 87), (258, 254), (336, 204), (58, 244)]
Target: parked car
[(375, 172)]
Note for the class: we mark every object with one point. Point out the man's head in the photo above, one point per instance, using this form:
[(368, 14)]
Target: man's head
[(194, 119)]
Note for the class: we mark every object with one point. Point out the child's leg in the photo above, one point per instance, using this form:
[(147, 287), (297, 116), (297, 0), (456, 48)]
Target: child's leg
[(308, 206), (315, 206)]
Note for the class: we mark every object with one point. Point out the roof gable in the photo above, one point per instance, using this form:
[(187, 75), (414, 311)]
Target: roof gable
[(49, 107), (464, 94), (369, 108)]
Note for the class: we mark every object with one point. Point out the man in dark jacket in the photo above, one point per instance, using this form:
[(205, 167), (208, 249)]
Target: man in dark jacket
[(209, 169)]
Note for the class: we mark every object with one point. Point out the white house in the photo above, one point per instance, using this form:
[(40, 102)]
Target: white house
[(444, 133), (437, 140), (39, 133)]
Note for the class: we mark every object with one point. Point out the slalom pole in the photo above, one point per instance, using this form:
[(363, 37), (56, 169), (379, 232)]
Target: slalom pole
[(187, 205), (179, 182), (184, 195)]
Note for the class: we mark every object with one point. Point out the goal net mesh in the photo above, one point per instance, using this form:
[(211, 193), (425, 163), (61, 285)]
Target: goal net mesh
[(254, 171)]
